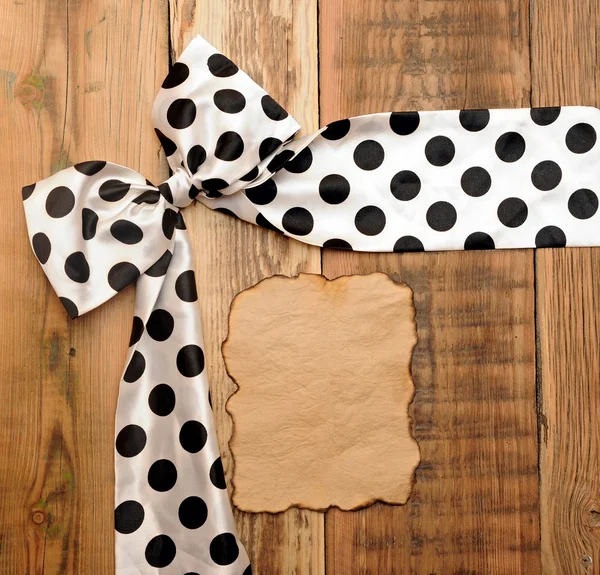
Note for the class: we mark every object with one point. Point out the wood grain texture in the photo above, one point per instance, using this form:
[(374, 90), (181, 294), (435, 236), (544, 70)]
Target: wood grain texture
[(77, 80), (275, 43), (61, 103), (474, 507), (565, 72)]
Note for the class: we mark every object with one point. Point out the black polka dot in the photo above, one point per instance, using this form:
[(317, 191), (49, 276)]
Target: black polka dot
[(162, 475), (336, 243), (370, 220), (129, 516), (474, 120), (476, 182), (217, 475), (131, 440), (405, 185), (177, 75), (272, 109), (193, 436), (180, 225), (147, 197), (267, 147), (404, 123), (60, 202), (89, 223), (169, 220), (226, 211), (135, 368), (479, 241), (181, 113), (90, 168), (113, 190), (264, 223), (298, 221), (193, 512), (167, 144), (185, 286), (441, 216), (251, 175), (159, 268), (137, 329), (77, 268), (195, 158), (230, 147), (512, 212), (581, 138), (546, 175), (544, 116), (280, 160), (336, 130), (126, 232), (229, 101), (212, 187), (190, 360), (160, 325), (26, 191), (160, 551), (262, 194), (224, 549), (334, 189), (408, 244), (41, 247), (369, 155), (583, 204), (162, 399), (166, 192), (193, 192), (221, 66), (70, 307), (510, 147), (121, 275), (439, 151), (550, 237), (301, 162)]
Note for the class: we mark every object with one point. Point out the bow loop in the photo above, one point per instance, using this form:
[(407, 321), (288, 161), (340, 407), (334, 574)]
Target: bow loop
[(216, 124), (90, 207)]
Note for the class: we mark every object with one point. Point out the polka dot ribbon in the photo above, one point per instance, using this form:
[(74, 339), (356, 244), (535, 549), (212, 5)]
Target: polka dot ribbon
[(408, 181)]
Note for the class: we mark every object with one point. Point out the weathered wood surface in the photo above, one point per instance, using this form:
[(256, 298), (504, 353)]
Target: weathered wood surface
[(474, 507), (77, 80), (565, 72), (231, 256)]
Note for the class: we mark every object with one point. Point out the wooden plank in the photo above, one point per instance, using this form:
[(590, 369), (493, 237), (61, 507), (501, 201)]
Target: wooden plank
[(565, 72), (77, 82), (474, 507), (275, 43)]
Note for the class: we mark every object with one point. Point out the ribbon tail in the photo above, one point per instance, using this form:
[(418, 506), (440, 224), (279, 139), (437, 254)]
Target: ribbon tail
[(170, 492)]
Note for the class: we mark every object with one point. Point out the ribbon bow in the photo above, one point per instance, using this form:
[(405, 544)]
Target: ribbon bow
[(402, 181)]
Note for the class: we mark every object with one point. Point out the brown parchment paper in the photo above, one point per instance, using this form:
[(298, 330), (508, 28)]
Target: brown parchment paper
[(321, 413)]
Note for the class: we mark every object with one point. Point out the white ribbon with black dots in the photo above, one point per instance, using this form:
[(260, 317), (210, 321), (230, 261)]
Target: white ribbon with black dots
[(407, 181)]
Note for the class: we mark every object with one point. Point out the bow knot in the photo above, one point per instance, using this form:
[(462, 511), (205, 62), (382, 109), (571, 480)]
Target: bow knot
[(179, 190), (212, 149)]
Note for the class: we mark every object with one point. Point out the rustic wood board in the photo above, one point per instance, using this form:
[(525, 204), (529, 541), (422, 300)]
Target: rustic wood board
[(231, 256), (565, 51), (63, 99), (77, 80), (474, 508)]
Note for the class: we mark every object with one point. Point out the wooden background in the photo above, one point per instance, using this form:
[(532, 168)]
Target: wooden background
[(507, 366)]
